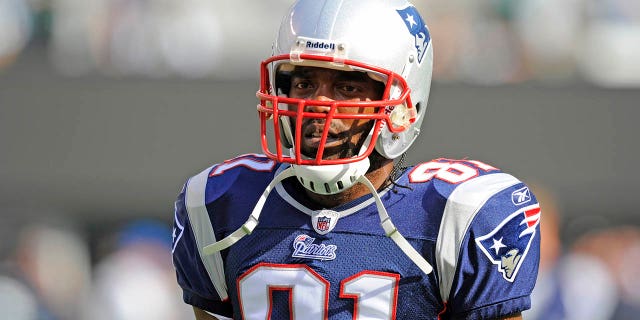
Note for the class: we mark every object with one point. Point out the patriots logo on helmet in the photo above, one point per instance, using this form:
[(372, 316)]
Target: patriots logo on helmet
[(508, 244), (417, 28)]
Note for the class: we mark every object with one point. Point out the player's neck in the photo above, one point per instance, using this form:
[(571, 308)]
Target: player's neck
[(378, 175)]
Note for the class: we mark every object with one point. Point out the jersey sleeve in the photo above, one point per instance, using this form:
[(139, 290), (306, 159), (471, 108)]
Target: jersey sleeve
[(212, 204), (200, 277), (488, 248)]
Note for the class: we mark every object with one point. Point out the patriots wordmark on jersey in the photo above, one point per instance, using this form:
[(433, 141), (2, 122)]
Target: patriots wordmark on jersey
[(477, 226)]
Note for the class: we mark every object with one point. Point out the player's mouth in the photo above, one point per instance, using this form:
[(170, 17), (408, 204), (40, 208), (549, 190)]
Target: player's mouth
[(312, 136)]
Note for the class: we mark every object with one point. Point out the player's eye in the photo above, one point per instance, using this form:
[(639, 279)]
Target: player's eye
[(302, 85), (349, 88)]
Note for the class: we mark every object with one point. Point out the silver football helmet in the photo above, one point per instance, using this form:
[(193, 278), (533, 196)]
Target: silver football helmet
[(386, 39)]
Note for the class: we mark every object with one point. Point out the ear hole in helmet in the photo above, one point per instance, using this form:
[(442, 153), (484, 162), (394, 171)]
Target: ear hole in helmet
[(418, 107)]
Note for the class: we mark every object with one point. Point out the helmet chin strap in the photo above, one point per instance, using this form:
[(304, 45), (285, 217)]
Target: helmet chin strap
[(252, 222), (392, 232), (330, 179), (385, 221)]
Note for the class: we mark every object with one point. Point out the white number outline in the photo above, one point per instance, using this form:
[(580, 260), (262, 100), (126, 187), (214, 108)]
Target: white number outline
[(248, 290), (251, 161), (451, 171), (243, 285), (367, 277)]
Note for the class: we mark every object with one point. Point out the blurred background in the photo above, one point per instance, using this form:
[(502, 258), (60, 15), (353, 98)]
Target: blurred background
[(108, 106)]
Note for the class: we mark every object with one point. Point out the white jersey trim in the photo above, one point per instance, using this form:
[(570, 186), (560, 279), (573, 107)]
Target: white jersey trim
[(203, 231), (461, 208)]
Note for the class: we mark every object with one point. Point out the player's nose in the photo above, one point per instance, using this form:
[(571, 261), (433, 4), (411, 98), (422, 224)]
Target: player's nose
[(323, 93)]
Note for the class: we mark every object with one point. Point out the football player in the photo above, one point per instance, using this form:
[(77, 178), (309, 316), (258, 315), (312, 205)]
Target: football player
[(328, 223)]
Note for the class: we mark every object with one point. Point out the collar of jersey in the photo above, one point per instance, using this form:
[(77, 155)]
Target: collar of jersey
[(343, 210)]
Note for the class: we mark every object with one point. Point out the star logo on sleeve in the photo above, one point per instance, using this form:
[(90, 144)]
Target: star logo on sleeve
[(497, 245)]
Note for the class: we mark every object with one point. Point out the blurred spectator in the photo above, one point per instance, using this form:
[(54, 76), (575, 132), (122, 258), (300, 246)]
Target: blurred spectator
[(46, 270), (15, 29), (550, 32), (494, 42), (493, 53), (136, 37), (137, 280), (570, 285), (618, 249), (594, 279), (485, 42), (17, 300), (75, 30), (156, 37), (450, 27), (611, 44)]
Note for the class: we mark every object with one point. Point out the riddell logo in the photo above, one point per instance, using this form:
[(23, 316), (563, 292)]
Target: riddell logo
[(321, 45)]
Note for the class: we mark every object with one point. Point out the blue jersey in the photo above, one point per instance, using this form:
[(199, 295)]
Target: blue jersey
[(477, 226)]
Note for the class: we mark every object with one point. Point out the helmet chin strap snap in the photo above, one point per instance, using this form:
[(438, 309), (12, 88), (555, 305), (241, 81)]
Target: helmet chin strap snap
[(401, 116)]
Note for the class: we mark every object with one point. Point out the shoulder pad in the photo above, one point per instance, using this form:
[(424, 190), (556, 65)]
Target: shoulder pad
[(462, 206), (225, 175)]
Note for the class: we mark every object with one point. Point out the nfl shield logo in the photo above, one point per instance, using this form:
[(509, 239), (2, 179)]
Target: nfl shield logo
[(323, 223)]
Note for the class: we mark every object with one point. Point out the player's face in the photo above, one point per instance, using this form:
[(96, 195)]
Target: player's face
[(346, 136)]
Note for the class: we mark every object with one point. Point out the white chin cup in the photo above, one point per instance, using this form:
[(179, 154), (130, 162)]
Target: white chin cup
[(331, 179)]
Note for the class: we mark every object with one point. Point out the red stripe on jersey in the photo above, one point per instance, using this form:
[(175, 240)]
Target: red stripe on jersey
[(531, 216)]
